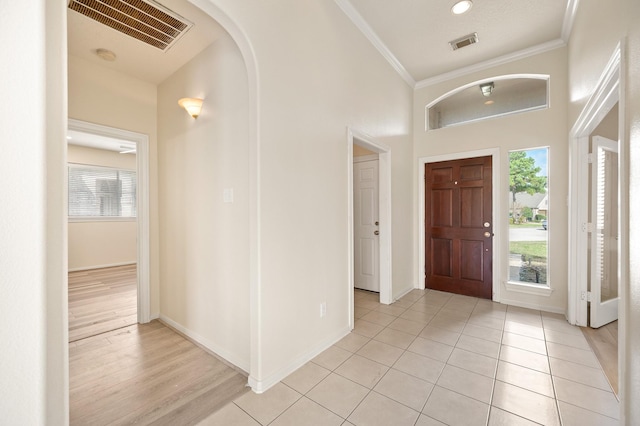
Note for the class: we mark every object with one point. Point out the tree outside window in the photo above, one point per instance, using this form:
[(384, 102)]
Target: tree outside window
[(528, 212)]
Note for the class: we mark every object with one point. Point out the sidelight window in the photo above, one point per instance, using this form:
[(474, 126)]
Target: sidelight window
[(529, 216)]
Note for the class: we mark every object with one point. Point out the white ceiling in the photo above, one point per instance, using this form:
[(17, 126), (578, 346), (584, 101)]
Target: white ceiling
[(134, 57), (413, 35)]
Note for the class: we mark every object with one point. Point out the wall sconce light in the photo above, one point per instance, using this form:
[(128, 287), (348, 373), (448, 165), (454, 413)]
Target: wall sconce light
[(486, 89), (193, 106)]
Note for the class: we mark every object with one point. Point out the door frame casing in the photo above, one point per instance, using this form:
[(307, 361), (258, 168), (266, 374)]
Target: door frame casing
[(384, 205), (611, 88), (607, 93), (142, 182), (496, 214)]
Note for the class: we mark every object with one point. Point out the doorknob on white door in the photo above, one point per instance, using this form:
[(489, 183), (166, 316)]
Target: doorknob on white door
[(376, 232)]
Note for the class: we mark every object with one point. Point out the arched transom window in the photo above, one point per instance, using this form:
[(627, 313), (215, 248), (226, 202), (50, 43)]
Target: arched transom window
[(495, 97)]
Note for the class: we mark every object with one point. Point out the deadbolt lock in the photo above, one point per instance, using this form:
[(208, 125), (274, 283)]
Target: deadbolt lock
[(487, 224), (377, 223)]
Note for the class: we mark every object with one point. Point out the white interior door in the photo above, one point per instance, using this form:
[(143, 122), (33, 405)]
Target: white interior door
[(604, 238), (366, 229)]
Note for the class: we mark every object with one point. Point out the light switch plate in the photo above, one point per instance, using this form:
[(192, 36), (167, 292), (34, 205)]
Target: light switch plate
[(227, 195)]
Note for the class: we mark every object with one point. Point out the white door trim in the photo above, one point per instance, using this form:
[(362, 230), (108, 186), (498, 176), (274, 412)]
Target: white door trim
[(605, 96), (609, 90), (498, 228), (384, 157), (142, 175), (364, 158)]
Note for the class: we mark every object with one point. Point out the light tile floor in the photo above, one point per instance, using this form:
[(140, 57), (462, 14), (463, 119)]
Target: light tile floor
[(435, 358)]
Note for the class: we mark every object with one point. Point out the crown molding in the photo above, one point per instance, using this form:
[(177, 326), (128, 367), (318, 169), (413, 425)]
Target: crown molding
[(501, 60), (569, 18), (371, 35)]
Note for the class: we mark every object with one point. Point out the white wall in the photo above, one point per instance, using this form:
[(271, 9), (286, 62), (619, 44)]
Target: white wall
[(205, 241), (519, 131), (33, 358), (95, 244), (598, 28), (110, 98), (317, 74), (608, 127), (631, 364)]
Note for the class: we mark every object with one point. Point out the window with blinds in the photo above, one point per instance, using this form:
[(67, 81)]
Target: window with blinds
[(101, 192)]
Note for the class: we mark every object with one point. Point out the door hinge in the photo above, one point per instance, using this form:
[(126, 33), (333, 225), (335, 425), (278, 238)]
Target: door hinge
[(586, 295), (587, 227), (590, 158)]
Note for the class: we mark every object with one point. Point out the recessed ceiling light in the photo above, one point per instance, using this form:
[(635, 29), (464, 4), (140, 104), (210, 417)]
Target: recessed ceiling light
[(106, 54), (461, 7)]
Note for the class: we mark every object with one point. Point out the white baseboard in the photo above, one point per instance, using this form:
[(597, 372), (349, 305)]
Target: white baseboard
[(110, 265), (207, 344), (260, 386), (404, 293), (535, 306)]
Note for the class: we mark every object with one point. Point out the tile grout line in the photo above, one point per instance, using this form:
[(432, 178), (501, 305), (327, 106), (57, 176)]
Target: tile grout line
[(495, 374), (404, 350), (420, 412), (553, 377), (390, 367), (248, 414)]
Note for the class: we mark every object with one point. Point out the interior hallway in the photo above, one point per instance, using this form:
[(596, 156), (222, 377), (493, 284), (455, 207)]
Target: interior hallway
[(434, 358)]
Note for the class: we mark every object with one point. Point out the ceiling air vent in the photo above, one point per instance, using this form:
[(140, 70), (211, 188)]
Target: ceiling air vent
[(464, 41), (146, 21)]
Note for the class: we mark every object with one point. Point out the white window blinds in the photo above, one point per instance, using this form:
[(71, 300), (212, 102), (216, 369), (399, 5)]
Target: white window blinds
[(101, 192)]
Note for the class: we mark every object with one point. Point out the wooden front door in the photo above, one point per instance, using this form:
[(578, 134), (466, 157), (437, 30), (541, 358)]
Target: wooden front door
[(459, 228)]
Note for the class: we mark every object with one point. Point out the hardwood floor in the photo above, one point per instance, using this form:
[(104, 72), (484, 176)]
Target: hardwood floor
[(604, 343), (101, 300), (144, 374)]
